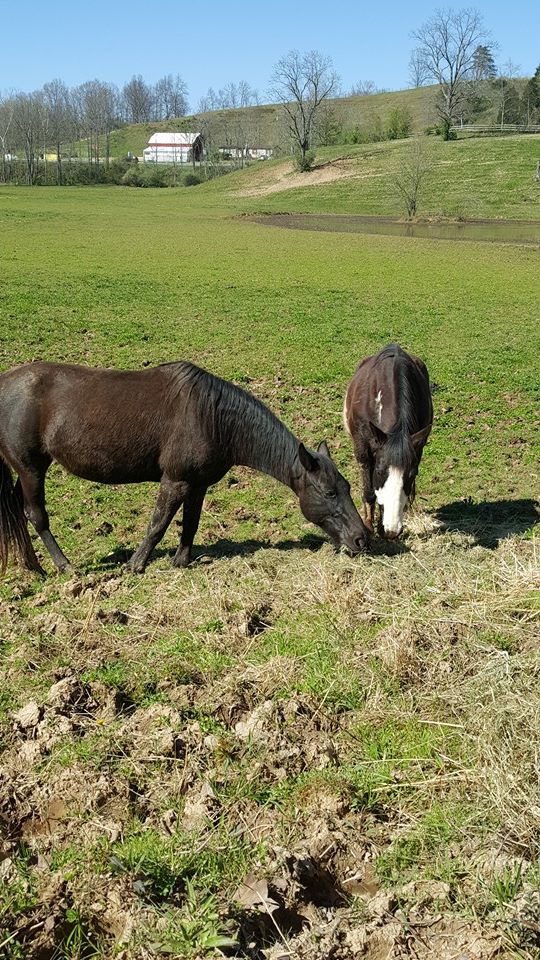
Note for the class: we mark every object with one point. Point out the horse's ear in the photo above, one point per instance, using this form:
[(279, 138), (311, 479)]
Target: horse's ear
[(379, 435), (418, 439), (307, 459), (323, 448)]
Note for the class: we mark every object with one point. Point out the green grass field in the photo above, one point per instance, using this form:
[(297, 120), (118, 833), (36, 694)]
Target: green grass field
[(280, 747)]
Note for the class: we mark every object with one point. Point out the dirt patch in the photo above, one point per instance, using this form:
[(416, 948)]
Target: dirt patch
[(285, 177)]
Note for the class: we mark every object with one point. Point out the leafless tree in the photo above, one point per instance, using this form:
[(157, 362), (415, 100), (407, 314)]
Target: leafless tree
[(412, 175), (171, 97), (95, 104), (363, 88), (28, 117), (301, 82), (418, 73), (58, 105), (229, 97), (446, 46), (137, 100), (507, 94), (7, 107)]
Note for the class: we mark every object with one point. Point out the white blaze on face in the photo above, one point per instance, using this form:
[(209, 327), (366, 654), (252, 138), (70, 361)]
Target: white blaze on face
[(393, 499)]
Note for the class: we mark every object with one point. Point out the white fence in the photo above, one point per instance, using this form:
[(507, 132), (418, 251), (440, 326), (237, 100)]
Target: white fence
[(496, 127)]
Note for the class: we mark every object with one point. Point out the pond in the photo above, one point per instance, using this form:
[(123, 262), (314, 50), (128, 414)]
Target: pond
[(493, 231)]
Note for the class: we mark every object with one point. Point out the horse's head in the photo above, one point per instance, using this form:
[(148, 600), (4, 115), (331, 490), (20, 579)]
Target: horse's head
[(325, 500), (397, 458)]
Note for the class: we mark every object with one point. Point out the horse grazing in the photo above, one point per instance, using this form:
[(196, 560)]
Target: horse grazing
[(389, 414), (176, 424)]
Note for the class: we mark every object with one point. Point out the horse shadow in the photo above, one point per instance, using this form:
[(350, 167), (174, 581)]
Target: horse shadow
[(220, 549), (225, 548), (490, 521)]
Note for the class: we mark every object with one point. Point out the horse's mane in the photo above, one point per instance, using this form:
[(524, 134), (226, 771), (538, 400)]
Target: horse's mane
[(400, 448), (233, 418)]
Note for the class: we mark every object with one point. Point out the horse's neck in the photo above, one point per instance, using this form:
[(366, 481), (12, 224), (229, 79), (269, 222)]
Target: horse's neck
[(263, 443)]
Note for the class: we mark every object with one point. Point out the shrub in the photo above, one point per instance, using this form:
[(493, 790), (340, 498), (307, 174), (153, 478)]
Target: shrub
[(304, 161), (399, 123), (140, 175), (191, 180)]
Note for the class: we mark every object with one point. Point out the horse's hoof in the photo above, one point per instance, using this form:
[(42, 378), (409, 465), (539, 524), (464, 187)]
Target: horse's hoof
[(132, 567), (181, 562)]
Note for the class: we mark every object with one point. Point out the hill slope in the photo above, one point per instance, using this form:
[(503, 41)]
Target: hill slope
[(469, 178), (262, 121)]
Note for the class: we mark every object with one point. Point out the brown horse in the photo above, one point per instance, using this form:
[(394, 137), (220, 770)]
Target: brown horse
[(389, 414), (176, 424)]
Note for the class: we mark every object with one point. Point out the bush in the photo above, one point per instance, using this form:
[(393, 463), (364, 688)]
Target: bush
[(304, 161), (399, 123), (141, 175), (191, 180)]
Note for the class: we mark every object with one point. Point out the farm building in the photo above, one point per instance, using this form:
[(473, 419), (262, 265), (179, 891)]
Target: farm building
[(248, 153), (173, 148)]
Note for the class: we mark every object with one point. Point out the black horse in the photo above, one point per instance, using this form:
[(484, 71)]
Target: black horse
[(389, 413), (176, 424)]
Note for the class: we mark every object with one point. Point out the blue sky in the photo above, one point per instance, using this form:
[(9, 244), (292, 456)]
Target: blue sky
[(211, 43)]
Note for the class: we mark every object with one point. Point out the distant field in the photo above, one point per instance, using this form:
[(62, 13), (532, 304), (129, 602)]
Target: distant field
[(356, 740)]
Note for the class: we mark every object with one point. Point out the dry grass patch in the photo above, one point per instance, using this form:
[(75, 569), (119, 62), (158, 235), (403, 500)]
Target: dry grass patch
[(336, 734)]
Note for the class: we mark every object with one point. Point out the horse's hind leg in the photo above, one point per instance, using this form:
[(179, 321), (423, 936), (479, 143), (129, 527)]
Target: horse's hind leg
[(32, 486), (190, 522), (170, 497)]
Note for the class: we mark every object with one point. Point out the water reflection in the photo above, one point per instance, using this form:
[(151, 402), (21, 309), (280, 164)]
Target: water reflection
[(509, 231)]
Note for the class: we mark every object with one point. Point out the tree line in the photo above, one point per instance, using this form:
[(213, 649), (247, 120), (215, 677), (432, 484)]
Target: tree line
[(453, 51)]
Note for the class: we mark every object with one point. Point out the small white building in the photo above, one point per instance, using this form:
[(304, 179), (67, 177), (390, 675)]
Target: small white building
[(248, 153), (174, 148)]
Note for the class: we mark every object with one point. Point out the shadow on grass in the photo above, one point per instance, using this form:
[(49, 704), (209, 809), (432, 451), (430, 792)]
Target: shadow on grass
[(218, 550), (224, 548), (490, 521)]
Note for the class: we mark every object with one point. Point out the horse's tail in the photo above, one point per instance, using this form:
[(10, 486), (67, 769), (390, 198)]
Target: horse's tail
[(14, 536)]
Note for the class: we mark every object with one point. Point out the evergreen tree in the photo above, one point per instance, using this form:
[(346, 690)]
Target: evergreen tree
[(530, 101), (483, 65)]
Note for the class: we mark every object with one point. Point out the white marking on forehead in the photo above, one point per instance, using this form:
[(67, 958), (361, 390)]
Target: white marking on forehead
[(378, 404), (393, 499)]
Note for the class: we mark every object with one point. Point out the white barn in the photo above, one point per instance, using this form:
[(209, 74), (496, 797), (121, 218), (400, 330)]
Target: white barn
[(173, 148)]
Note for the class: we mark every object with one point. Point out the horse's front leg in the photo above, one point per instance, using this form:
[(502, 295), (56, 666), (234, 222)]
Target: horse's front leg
[(192, 514), (368, 493), (170, 497)]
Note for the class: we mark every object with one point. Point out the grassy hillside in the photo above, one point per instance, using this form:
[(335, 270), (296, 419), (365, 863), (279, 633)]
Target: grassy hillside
[(262, 121), (354, 740), (470, 178)]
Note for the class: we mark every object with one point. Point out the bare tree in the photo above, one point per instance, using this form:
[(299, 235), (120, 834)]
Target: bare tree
[(28, 116), (508, 97), (7, 107), (171, 97), (447, 43), (411, 176), (301, 82), (60, 118), (137, 98), (229, 97), (363, 88), (418, 73)]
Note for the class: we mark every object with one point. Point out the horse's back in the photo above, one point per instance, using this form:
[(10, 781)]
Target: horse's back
[(101, 424), (372, 396)]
